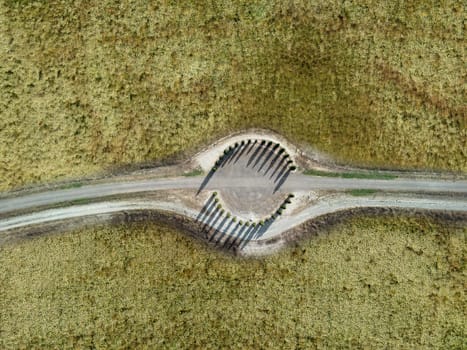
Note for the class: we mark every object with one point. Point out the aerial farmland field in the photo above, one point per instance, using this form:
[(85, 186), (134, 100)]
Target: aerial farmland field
[(237, 123)]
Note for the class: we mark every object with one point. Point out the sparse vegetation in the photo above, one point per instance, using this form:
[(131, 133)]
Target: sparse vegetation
[(71, 185), (362, 192), (197, 172), (82, 201)]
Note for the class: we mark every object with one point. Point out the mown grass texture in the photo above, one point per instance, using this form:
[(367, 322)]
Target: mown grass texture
[(399, 284), (88, 85)]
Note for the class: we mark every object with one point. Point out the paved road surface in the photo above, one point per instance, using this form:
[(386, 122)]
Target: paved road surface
[(220, 223), (295, 182)]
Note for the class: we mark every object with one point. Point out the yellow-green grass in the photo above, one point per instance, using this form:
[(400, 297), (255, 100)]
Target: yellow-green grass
[(87, 85), (398, 284)]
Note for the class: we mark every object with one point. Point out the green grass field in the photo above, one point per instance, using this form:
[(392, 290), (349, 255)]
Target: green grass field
[(369, 284), (90, 85)]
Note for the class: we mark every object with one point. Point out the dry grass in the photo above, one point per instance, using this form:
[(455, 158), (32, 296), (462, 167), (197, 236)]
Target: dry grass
[(87, 84), (400, 284)]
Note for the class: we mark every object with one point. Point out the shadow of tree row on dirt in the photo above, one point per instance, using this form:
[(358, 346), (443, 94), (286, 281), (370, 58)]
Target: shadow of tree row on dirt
[(226, 231), (268, 158)]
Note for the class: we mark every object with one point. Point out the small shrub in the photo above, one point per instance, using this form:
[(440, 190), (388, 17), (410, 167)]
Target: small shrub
[(219, 206), (293, 167)]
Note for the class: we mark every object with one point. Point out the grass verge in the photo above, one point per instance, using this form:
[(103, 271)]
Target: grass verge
[(195, 172), (352, 175), (71, 185), (362, 192)]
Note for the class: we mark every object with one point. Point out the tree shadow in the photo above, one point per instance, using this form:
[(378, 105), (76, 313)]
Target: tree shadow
[(248, 236), (265, 227), (222, 233), (206, 208), (279, 165), (232, 234), (218, 228), (252, 157), (272, 163), (251, 146), (282, 180), (271, 152), (241, 234), (226, 157), (281, 172), (234, 153), (213, 215), (261, 155), (206, 181), (241, 153)]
